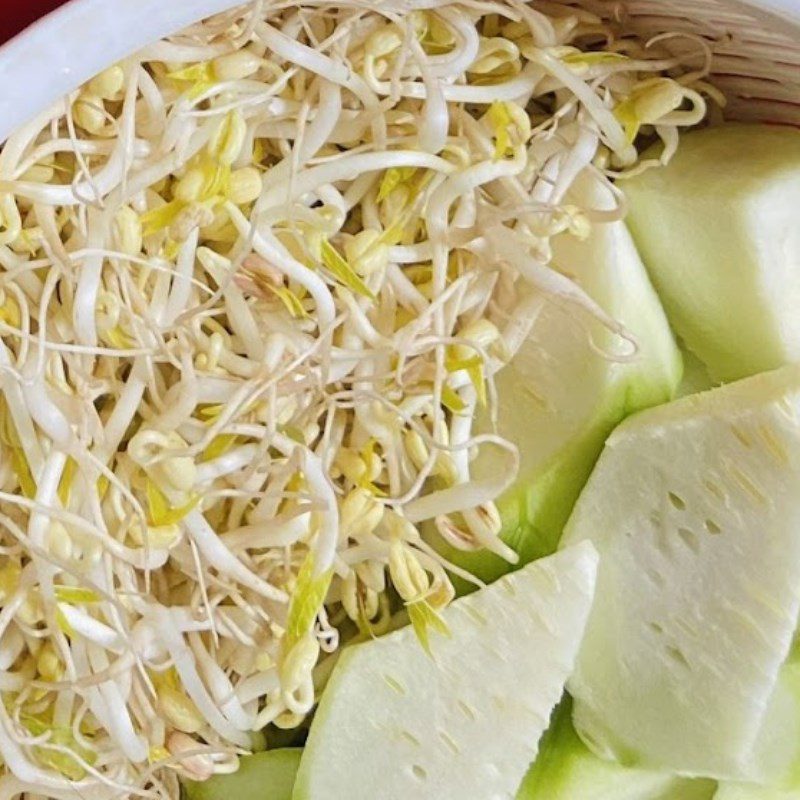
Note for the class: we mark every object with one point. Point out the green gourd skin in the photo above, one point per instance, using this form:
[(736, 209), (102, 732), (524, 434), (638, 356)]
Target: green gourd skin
[(463, 719), (693, 507), (261, 776), (566, 769)]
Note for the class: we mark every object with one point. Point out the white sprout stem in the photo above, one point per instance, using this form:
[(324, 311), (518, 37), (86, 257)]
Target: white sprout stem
[(20, 415), (107, 178), (45, 413), (268, 534), (520, 86), (436, 120), (26, 771), (182, 283), (608, 123), (319, 64), (121, 417), (578, 158), (258, 685), (316, 134), (272, 250), (455, 63), (555, 284), (320, 486), (349, 167), (89, 283), (89, 628), (221, 688), (19, 141), (184, 661), (228, 464), (242, 319), (106, 704), (10, 648), (141, 150), (212, 548), (455, 498), (38, 524)]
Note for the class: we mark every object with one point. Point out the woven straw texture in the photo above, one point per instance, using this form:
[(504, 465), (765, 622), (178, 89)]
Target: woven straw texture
[(756, 54)]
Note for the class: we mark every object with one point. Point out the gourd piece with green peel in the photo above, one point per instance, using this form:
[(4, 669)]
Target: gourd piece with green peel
[(717, 230), (560, 397), (566, 769), (464, 720), (783, 791), (741, 792), (263, 776), (694, 508), (778, 745)]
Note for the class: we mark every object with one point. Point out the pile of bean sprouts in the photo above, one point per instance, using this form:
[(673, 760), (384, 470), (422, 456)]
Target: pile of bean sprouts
[(256, 282)]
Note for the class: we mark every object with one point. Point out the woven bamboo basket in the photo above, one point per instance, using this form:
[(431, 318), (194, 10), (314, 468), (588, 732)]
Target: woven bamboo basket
[(756, 49)]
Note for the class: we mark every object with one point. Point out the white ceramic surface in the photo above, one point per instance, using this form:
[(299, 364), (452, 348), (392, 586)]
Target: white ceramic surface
[(783, 8), (69, 46)]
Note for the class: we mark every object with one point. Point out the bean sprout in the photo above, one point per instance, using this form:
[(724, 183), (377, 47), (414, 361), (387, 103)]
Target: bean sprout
[(254, 283)]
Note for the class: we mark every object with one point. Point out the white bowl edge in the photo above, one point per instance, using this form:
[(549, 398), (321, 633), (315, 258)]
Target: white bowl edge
[(72, 44)]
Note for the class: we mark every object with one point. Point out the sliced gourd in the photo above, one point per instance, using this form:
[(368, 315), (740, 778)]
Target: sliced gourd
[(262, 776), (694, 508), (464, 721), (741, 792), (560, 398), (566, 769), (733, 792), (778, 747), (717, 229)]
